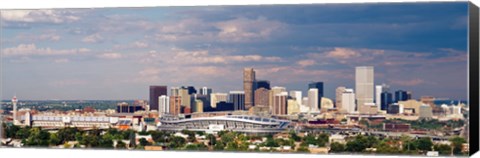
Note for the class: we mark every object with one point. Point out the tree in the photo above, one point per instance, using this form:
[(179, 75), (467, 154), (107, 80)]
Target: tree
[(232, 146), (294, 136), (424, 144), (443, 149), (212, 140), (143, 142), (177, 142), (106, 142), (358, 144), (158, 136), (54, 140), (337, 147), (228, 137), (457, 143), (219, 146), (120, 145), (132, 139)]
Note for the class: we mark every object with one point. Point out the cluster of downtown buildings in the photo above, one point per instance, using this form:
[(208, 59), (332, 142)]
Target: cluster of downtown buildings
[(259, 97), (258, 108)]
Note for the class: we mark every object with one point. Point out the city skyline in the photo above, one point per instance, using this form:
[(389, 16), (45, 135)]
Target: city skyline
[(51, 55)]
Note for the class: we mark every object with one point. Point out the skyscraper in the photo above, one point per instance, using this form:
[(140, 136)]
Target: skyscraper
[(313, 99), (297, 96), (163, 105), (409, 95), (198, 106), (14, 102), (348, 100), (155, 92), (261, 97), (274, 91), (174, 91), (185, 96), (280, 104), (378, 94), (400, 95), (338, 97), (238, 100), (248, 86), (216, 98), (386, 100), (319, 87), (205, 91), (364, 77), (175, 105)]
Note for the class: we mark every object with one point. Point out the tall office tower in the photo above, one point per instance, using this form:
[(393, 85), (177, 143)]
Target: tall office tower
[(348, 100), (248, 86), (238, 100), (274, 91), (305, 101), (378, 96), (409, 95), (216, 98), (280, 104), (292, 107), (155, 92), (262, 84), (297, 96), (400, 95), (163, 105), (338, 97), (186, 99), (364, 77), (386, 99), (313, 100), (174, 91), (261, 97), (175, 105), (205, 91), (319, 87), (198, 106), (14, 102)]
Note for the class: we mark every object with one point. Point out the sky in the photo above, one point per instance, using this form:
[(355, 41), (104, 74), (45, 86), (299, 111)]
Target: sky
[(116, 53)]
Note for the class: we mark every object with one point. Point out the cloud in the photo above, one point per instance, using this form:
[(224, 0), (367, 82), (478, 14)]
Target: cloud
[(245, 30), (41, 16), (61, 60), (342, 53), (35, 37), (67, 83), (32, 50), (412, 82), (204, 57), (94, 38), (110, 56), (139, 44), (305, 63)]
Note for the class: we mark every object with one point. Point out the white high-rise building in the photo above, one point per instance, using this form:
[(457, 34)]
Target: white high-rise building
[(348, 100), (174, 91), (216, 98), (364, 85), (297, 95), (163, 104), (378, 94), (313, 99), (14, 102)]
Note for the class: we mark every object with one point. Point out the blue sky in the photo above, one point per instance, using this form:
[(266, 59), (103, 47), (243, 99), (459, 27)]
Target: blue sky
[(116, 53)]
